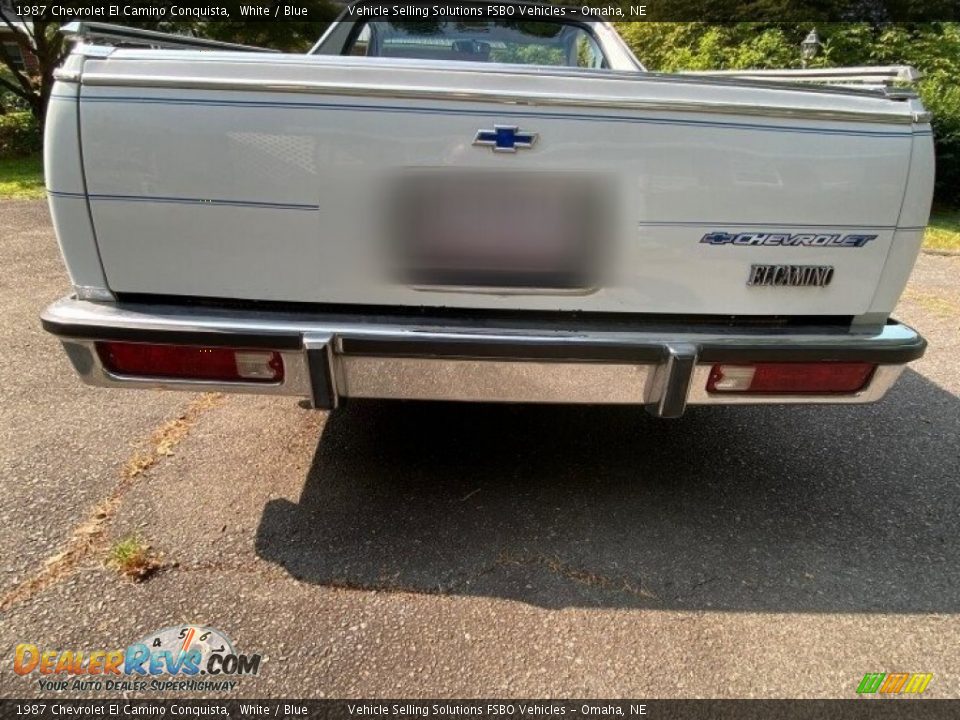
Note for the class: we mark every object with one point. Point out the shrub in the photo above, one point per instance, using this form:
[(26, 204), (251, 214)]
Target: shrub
[(19, 135), (942, 98), (9, 102)]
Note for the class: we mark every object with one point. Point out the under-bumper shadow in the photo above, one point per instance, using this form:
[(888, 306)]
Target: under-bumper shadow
[(808, 509)]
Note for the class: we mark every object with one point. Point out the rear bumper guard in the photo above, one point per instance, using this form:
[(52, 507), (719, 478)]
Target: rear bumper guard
[(330, 356)]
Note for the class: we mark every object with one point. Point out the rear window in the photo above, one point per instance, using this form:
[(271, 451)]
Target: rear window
[(524, 43)]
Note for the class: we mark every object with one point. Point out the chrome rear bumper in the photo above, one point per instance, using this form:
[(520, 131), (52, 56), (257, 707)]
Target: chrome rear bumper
[(328, 356)]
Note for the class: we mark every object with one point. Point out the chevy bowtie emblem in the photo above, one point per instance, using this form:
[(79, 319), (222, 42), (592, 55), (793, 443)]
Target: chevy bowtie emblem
[(505, 138)]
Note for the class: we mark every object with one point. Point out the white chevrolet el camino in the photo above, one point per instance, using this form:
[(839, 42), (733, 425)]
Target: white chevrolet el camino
[(488, 211)]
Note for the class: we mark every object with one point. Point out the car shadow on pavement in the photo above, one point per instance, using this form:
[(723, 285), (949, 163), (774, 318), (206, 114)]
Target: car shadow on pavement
[(810, 509)]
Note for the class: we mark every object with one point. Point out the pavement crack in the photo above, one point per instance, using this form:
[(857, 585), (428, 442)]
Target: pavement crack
[(90, 535), (232, 568), (165, 438), (581, 576), (700, 584)]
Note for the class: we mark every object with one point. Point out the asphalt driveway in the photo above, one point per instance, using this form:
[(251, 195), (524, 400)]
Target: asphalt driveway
[(404, 549)]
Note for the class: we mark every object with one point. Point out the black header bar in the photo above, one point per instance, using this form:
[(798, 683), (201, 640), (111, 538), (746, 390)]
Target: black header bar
[(712, 11)]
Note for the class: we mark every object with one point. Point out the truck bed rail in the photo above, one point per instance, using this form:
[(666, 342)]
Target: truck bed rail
[(893, 78), (119, 35)]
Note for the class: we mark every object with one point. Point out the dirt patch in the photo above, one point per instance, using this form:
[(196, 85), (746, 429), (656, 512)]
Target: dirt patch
[(90, 536)]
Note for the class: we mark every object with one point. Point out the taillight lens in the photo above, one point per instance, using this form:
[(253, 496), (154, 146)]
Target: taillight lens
[(790, 377), (188, 362)]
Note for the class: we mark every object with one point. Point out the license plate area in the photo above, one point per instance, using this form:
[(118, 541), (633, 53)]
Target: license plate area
[(515, 231)]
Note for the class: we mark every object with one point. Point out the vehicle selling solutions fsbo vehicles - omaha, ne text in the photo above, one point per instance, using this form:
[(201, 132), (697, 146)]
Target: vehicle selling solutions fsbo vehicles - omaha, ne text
[(494, 211)]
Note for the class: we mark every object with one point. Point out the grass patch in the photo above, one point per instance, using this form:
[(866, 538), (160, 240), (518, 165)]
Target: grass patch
[(943, 232), (21, 178), (132, 557)]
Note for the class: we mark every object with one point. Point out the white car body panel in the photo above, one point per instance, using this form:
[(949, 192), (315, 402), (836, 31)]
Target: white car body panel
[(227, 199), (272, 172)]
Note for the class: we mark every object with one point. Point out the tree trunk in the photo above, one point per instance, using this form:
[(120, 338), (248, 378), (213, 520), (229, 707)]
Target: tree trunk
[(49, 49)]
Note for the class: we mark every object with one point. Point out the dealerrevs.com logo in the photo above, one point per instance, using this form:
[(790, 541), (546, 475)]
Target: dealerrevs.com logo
[(187, 657)]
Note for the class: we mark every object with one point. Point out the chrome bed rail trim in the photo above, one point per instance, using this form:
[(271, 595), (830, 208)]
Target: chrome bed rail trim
[(639, 75), (884, 75), (122, 34), (514, 99), (326, 358)]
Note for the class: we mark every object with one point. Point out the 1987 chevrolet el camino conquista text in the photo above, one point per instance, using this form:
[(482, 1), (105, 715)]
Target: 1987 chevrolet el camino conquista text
[(497, 210)]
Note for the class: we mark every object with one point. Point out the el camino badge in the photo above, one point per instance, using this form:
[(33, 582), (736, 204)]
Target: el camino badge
[(505, 138), (790, 275)]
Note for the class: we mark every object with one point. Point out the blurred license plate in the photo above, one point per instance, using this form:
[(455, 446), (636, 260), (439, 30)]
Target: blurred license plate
[(508, 230)]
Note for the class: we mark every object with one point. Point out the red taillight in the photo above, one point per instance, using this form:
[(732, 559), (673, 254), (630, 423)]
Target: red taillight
[(790, 377), (188, 362)]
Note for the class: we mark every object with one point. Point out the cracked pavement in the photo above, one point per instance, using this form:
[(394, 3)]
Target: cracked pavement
[(431, 550)]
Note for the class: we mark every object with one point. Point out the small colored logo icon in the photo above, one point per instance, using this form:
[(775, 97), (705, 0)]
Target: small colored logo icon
[(894, 683), (505, 138)]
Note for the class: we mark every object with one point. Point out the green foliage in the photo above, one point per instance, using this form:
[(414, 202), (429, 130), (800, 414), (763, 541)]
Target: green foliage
[(19, 134), (21, 178), (132, 557), (933, 48), (944, 231), (667, 47), (32, 88), (9, 101), (942, 98)]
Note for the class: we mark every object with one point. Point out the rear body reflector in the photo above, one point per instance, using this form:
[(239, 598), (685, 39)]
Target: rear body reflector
[(790, 378), (189, 362)]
